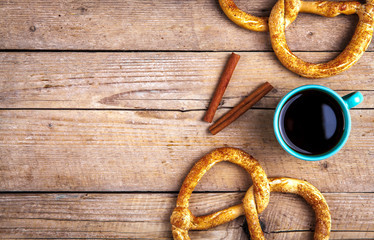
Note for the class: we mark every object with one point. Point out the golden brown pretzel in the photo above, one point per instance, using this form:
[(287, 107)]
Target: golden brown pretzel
[(183, 220), (350, 55), (285, 11), (243, 19), (289, 185), (255, 201), (246, 20)]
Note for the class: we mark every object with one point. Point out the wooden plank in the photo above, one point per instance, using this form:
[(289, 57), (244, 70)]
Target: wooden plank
[(308, 235), (147, 216), (156, 25), (173, 81), (54, 150)]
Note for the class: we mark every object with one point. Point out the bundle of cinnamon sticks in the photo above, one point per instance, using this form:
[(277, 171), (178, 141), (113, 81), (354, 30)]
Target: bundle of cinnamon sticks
[(239, 109)]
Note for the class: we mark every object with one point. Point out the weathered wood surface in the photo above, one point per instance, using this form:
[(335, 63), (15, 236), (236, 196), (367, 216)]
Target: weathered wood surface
[(146, 216), (118, 121), (167, 81), (76, 150), (171, 25)]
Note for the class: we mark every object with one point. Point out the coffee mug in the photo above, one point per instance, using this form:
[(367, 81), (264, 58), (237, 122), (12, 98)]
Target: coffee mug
[(312, 122)]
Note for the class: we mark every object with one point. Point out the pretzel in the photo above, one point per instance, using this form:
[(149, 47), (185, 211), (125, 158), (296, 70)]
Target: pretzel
[(289, 185), (254, 202), (285, 12)]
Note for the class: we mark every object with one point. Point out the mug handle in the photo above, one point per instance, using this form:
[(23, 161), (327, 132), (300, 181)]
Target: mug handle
[(353, 99)]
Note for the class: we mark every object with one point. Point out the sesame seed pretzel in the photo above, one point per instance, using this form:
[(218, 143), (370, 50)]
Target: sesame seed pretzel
[(254, 202), (285, 12)]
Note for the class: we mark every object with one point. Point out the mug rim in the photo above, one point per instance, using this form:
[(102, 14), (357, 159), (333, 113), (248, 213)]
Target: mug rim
[(347, 123)]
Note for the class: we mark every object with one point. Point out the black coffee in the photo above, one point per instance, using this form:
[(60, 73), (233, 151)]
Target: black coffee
[(311, 122)]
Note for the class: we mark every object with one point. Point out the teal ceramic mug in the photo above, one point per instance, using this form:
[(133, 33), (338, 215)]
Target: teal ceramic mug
[(312, 122)]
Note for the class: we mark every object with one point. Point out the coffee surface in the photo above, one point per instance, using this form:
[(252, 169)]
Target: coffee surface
[(311, 122)]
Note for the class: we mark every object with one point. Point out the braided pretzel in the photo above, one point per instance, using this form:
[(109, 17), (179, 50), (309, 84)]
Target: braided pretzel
[(254, 202), (285, 12)]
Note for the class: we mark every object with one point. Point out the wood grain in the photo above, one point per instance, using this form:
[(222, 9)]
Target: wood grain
[(165, 81), (172, 25), (97, 136), (61, 150), (146, 216)]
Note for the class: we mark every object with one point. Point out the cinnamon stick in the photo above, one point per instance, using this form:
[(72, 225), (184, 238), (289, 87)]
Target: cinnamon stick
[(241, 108), (222, 85)]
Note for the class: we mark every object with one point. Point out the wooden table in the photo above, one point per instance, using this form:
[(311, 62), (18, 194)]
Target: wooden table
[(101, 119)]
